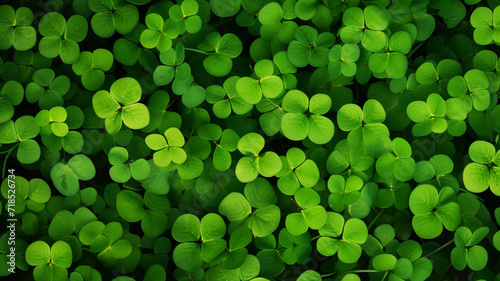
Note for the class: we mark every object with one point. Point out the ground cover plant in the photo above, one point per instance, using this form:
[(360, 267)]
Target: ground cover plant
[(253, 140)]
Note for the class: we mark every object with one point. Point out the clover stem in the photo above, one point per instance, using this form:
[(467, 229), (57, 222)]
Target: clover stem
[(385, 275), (131, 188), (364, 271), (375, 219), (415, 49), (7, 157), (196, 50), (466, 191), (439, 249), (328, 274)]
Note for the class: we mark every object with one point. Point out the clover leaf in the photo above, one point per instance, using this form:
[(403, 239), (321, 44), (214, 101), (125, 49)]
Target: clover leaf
[(168, 147), (47, 89), (429, 116), (91, 67), (467, 252), (226, 99), (432, 210), (310, 215), (121, 104), (342, 237), (309, 47), (254, 163), (15, 28), (296, 125), (51, 262), (186, 16), (111, 16), (23, 130), (275, 23), (484, 171), (262, 221), (365, 126), (159, 33), (173, 66), (11, 95), (365, 26), (61, 38), (398, 163), (296, 249), (344, 192), (123, 169), (392, 63), (226, 142), (296, 171), (485, 24), (220, 51), (472, 89), (66, 176), (343, 60), (29, 195), (52, 121)]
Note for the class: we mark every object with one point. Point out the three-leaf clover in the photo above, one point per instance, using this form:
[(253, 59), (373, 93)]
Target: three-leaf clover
[(262, 221), (30, 195), (296, 125), (472, 89), (226, 99), (186, 16), (343, 60), (16, 29), (224, 49), (130, 207), (173, 66), (51, 263), (66, 176), (433, 209), (159, 33), (254, 163), (295, 249), (106, 240), (309, 47), (61, 38), (365, 127), (120, 105), (397, 163), (266, 83), (123, 169), (311, 214), (296, 171), (486, 23), (111, 16), (168, 147), (277, 23), (467, 252), (393, 63), (429, 116), (484, 172), (366, 26), (91, 67), (344, 191), (226, 141), (47, 89), (52, 121), (188, 230), (23, 130), (342, 237)]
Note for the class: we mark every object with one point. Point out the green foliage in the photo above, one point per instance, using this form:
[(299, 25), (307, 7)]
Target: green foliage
[(250, 140)]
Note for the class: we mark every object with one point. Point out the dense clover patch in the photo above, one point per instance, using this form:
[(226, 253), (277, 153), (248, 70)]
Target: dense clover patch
[(250, 140)]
